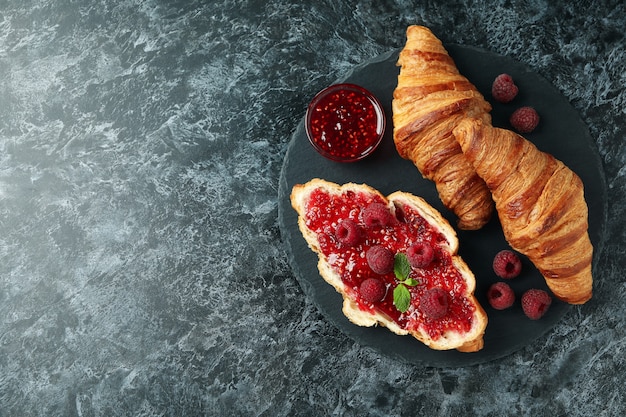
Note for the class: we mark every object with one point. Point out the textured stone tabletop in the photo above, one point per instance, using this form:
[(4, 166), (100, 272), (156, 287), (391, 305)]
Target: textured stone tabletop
[(142, 271)]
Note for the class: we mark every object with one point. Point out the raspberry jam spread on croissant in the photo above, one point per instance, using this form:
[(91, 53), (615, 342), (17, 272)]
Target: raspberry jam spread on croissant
[(347, 225)]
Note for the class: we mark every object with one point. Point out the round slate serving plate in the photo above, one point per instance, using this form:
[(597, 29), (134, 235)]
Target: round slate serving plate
[(561, 132)]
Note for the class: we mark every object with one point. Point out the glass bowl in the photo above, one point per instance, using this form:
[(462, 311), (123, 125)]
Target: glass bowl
[(345, 122)]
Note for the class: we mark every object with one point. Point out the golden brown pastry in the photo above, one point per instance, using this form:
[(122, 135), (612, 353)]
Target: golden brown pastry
[(540, 203), (431, 98)]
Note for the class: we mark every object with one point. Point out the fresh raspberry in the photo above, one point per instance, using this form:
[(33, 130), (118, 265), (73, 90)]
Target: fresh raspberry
[(347, 232), (372, 290), (506, 264), (376, 215), (500, 296), (503, 88), (535, 303), (525, 119), (380, 259), (434, 303), (420, 254)]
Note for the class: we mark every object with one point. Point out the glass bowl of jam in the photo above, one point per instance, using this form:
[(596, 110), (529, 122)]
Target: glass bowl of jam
[(345, 122)]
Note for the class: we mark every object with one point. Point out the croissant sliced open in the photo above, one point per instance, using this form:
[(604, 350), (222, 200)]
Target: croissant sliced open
[(431, 98), (540, 203)]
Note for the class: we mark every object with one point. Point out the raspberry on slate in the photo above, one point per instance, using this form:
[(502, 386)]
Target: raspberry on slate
[(372, 290), (376, 215), (506, 264), (420, 254), (535, 303), (500, 296), (434, 303), (503, 88), (380, 259), (347, 232), (525, 119)]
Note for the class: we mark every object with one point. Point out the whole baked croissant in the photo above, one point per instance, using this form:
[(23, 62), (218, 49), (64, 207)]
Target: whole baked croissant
[(431, 98), (540, 203)]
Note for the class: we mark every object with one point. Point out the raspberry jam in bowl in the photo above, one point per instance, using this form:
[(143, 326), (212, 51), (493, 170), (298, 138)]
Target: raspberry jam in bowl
[(345, 122)]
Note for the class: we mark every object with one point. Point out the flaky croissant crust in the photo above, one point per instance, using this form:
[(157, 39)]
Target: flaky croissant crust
[(540, 203), (431, 98)]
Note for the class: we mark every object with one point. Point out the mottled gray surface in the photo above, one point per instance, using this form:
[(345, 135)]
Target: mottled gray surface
[(141, 267)]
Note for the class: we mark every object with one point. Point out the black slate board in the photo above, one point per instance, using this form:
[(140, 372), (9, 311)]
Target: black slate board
[(561, 133)]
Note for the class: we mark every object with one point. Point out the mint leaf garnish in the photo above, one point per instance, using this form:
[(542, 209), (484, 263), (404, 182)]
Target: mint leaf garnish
[(401, 294), (401, 266), (411, 282), (401, 298)]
